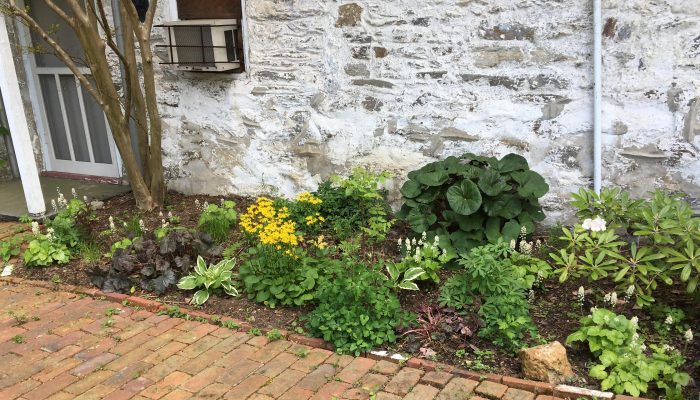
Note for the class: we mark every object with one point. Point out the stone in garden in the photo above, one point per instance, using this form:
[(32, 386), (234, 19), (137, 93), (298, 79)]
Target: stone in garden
[(546, 363)]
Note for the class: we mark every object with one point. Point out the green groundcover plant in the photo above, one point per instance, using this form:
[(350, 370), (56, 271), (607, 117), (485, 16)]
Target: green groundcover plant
[(472, 199), (623, 363), (358, 309)]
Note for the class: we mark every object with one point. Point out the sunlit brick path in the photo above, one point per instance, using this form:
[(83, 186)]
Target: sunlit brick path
[(57, 345)]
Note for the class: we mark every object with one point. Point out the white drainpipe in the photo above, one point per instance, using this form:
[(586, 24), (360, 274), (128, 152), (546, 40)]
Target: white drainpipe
[(19, 130), (597, 95)]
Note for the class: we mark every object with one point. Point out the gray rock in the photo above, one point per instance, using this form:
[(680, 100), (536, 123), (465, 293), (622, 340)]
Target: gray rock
[(691, 127), (507, 31), (372, 104), (357, 70), (380, 52), (456, 134), (487, 57), (373, 82), (553, 109)]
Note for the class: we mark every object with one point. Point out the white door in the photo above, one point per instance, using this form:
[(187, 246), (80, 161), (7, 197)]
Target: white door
[(76, 132)]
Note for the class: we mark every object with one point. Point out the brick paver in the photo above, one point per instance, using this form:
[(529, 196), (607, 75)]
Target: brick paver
[(72, 350)]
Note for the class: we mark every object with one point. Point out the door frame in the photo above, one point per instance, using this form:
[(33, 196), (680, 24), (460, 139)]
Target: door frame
[(32, 72)]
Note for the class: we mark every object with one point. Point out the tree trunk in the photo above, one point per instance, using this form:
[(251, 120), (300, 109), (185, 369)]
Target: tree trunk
[(92, 26)]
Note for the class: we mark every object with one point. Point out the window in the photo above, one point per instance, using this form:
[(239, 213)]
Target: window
[(207, 37)]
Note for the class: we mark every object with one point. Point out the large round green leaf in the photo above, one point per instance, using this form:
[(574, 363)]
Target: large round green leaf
[(472, 222), (410, 189), (420, 219), (493, 183), (525, 220), (465, 241), (506, 206), (428, 196), (512, 162), (464, 197), (534, 211), (493, 229), (433, 178), (510, 230), (532, 184)]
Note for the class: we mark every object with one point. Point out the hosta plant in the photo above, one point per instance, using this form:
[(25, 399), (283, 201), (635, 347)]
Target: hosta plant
[(209, 279), (471, 199)]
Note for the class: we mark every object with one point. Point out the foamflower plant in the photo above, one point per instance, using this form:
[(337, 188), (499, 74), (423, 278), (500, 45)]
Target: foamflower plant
[(208, 279)]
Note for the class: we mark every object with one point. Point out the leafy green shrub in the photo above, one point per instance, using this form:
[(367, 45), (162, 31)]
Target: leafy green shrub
[(472, 199), (44, 250), (343, 217), (506, 320), (658, 240), (218, 220), (357, 309), (623, 365), (357, 203), (11, 247), (612, 204), (275, 277), (498, 276), (153, 264), (209, 279)]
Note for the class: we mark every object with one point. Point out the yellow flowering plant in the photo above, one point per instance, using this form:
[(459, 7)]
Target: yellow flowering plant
[(278, 269), (270, 224), (305, 210)]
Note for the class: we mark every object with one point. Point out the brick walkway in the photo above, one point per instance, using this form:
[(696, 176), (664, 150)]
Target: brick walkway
[(58, 345)]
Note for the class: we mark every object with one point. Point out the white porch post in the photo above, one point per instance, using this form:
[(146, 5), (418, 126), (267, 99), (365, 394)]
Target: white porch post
[(19, 130)]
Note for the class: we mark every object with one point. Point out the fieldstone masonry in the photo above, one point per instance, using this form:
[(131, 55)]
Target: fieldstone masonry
[(396, 84)]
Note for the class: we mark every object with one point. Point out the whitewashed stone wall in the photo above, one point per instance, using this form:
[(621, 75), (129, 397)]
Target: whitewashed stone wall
[(394, 84)]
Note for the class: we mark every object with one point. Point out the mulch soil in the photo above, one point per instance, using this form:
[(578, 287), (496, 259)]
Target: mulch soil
[(554, 309)]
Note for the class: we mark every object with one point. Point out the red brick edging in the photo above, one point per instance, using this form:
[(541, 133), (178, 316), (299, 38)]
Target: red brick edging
[(542, 389)]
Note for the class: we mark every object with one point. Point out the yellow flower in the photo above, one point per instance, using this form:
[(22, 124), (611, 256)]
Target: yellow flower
[(271, 225), (307, 197)]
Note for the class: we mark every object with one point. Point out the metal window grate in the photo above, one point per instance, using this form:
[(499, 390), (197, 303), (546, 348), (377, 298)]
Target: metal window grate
[(194, 46)]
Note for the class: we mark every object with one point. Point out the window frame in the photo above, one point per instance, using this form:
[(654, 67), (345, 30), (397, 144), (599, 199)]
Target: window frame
[(173, 16)]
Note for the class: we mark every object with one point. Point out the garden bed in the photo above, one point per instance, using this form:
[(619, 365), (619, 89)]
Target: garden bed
[(555, 309), (460, 274)]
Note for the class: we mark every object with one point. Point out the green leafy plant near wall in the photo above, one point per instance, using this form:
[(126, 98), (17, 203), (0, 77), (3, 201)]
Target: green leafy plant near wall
[(639, 244), (218, 220), (623, 365), (471, 199)]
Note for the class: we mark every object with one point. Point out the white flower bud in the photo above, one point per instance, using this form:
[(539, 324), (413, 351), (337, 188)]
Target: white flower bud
[(35, 228), (688, 335)]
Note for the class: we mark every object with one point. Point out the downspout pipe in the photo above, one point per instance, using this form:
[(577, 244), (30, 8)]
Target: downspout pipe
[(19, 128), (597, 96)]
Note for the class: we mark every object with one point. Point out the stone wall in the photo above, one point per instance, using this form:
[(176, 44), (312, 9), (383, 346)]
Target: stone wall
[(395, 84)]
